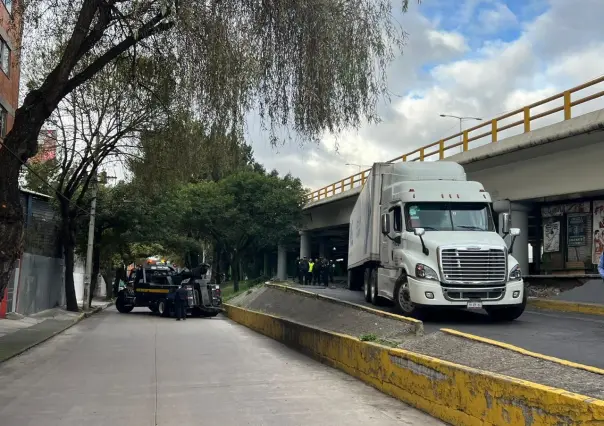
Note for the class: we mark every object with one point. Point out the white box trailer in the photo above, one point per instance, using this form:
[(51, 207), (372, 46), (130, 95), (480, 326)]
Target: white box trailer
[(422, 235)]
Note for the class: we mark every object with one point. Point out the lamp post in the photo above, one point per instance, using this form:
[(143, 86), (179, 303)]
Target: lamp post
[(360, 166), (461, 119)]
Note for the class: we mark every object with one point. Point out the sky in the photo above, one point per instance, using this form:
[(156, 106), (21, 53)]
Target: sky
[(477, 58)]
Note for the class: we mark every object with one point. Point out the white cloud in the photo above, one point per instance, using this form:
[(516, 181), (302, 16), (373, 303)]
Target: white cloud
[(496, 18), (559, 49)]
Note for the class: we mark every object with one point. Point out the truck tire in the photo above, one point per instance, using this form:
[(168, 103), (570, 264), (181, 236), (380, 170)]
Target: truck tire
[(507, 313), (367, 284), (402, 300), (163, 309), (355, 279), (122, 308), (372, 283)]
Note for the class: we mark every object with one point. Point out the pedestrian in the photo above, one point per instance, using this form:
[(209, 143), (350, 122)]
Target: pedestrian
[(318, 271), (332, 270), (310, 272), (302, 266), (325, 273), (180, 303), (601, 266)]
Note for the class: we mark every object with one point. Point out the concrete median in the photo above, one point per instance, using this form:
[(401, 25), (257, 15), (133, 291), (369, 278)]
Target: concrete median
[(564, 306), (457, 394)]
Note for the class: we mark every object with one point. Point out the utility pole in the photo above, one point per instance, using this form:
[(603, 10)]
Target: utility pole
[(90, 249)]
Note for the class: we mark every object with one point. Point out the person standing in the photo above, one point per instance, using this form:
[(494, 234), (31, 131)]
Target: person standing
[(180, 303), (310, 271)]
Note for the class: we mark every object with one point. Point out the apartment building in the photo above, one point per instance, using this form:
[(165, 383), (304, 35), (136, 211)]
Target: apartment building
[(10, 41)]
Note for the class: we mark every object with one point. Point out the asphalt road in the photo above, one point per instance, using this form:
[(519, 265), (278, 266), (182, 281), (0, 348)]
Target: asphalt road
[(574, 337), (138, 369)]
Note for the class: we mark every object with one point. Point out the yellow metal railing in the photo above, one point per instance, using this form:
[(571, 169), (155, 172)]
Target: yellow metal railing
[(488, 128)]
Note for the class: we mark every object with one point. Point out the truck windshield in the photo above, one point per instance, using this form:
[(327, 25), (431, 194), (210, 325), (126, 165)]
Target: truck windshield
[(449, 217)]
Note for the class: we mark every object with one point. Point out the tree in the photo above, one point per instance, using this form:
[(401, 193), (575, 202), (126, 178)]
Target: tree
[(308, 63), (241, 210), (185, 152), (97, 122)]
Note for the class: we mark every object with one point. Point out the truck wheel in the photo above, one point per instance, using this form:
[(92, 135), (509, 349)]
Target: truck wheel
[(367, 285), (122, 308), (402, 300), (162, 308), (373, 287), (354, 279)]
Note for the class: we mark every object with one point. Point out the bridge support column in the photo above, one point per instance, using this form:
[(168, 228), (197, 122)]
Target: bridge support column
[(519, 218), (304, 244), (281, 263)]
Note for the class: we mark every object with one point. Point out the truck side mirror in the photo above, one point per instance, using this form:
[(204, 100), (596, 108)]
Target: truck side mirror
[(505, 226), (419, 231), (514, 232), (385, 224)]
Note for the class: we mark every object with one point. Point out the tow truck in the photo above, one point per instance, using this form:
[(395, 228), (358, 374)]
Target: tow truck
[(154, 284)]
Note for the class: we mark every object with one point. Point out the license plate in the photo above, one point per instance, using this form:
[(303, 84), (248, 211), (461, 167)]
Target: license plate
[(474, 305)]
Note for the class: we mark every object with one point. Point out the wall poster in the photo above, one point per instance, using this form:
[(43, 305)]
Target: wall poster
[(551, 237), (598, 230)]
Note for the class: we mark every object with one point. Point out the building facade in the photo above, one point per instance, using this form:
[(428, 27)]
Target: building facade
[(10, 70)]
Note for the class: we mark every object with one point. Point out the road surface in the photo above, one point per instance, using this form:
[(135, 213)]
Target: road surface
[(574, 337), (138, 369)]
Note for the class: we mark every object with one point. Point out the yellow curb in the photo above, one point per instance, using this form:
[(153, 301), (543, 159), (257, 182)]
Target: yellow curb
[(456, 394), (417, 324), (523, 351), (563, 306)]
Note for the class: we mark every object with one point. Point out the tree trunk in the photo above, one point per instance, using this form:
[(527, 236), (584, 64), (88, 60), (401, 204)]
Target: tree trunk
[(11, 217), (68, 234), (235, 270)]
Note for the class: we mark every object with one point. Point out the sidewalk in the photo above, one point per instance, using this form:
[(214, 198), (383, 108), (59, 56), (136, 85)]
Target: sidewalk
[(19, 333)]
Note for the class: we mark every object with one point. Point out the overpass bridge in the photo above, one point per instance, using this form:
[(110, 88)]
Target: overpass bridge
[(546, 177)]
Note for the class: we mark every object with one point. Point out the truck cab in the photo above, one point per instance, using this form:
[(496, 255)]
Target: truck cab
[(430, 241)]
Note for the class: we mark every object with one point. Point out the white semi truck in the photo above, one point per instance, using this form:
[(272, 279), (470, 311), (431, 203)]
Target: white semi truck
[(422, 235)]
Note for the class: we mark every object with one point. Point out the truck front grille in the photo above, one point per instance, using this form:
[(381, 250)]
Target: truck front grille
[(473, 266)]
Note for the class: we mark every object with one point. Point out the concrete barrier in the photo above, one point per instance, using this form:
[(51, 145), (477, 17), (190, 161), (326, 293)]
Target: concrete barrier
[(453, 393), (417, 325), (563, 306)]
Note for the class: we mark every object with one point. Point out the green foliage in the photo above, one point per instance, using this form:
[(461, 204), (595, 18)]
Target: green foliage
[(247, 208), (42, 176)]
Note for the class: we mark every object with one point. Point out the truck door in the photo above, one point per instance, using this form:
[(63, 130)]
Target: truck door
[(385, 242)]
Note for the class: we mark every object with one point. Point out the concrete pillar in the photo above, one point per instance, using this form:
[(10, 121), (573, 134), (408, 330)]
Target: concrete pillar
[(304, 244), (266, 265), (519, 219), (281, 263)]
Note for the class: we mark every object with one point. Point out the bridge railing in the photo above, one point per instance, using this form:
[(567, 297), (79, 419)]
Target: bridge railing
[(521, 117)]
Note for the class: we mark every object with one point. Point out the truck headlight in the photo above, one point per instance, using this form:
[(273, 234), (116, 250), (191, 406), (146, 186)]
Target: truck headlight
[(425, 272), (516, 273)]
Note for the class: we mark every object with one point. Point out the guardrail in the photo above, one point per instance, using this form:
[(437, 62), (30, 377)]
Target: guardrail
[(490, 128)]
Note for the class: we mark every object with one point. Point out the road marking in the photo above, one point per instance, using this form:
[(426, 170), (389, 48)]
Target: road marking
[(523, 351), (557, 316)]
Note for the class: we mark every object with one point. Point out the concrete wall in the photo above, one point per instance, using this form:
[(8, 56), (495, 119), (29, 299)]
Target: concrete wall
[(40, 284)]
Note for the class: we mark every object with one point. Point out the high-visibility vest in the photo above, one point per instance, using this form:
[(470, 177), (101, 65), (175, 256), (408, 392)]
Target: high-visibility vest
[(311, 265)]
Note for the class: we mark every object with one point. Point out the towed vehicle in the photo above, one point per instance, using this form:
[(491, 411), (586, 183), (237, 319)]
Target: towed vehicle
[(154, 286)]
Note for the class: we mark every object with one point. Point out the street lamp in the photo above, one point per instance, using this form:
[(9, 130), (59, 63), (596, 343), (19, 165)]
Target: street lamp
[(360, 166), (461, 119)]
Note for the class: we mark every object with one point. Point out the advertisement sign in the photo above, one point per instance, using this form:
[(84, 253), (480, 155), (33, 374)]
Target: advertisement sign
[(598, 230), (577, 230)]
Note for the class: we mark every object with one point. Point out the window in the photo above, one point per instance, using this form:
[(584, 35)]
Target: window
[(397, 222), (450, 217), (9, 5), (3, 122), (5, 57)]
